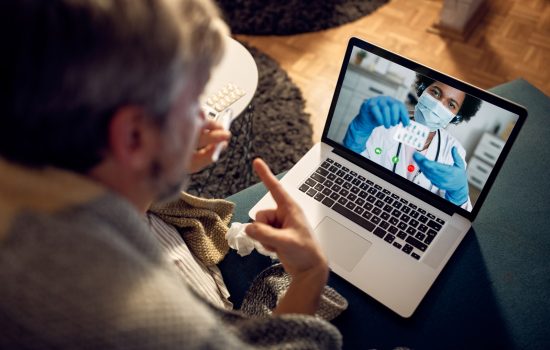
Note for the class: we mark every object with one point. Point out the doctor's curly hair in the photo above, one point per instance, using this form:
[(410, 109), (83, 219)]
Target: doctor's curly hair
[(469, 107)]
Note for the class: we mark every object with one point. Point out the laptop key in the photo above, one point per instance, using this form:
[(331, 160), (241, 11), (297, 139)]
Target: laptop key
[(354, 217), (406, 210), (360, 201), (368, 206), (336, 188), (367, 214), (401, 235), (345, 169), (327, 192), (325, 165), (376, 211), (397, 245), (384, 225), (389, 238), (311, 192), (328, 202), (348, 177), (353, 173), (350, 205), (372, 190), (411, 231), (334, 196), (362, 178), (331, 177), (429, 239), (338, 165), (416, 243), (431, 233), (396, 213), (386, 191), (340, 173), (423, 219), (434, 225), (414, 214), (319, 187), (355, 190), (347, 185), (397, 205), (364, 186), (387, 208), (416, 256), (319, 197), (421, 211), (385, 216), (375, 220), (356, 182), (422, 228), (358, 210), (328, 183), (329, 160), (394, 221), (352, 197), (378, 187), (407, 248), (342, 201), (431, 216), (393, 230), (402, 225), (311, 182), (420, 236), (318, 177), (371, 199), (370, 182), (440, 221), (380, 195), (388, 200), (413, 223), (339, 180), (363, 194), (379, 232), (304, 188)]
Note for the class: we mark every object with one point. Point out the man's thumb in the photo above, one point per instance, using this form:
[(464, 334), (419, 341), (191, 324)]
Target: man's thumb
[(263, 233)]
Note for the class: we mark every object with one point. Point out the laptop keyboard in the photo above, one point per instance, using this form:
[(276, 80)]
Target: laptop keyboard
[(402, 224)]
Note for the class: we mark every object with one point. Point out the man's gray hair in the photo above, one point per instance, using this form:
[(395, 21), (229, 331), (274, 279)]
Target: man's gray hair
[(70, 64)]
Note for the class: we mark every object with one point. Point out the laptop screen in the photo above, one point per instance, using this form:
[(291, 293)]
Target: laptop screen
[(416, 123)]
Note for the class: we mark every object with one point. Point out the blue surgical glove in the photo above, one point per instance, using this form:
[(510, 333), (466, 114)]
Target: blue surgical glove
[(451, 178), (375, 111)]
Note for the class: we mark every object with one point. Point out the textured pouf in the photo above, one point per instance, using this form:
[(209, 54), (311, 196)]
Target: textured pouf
[(275, 128), (259, 17)]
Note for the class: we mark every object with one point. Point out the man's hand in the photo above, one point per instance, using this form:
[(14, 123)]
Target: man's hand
[(211, 134), (285, 231)]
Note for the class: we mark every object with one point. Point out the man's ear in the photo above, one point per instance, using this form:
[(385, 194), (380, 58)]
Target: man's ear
[(133, 138)]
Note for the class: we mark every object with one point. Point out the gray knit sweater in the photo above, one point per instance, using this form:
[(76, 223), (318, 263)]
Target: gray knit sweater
[(80, 269)]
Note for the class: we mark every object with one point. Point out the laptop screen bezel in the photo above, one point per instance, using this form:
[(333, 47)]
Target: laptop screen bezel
[(397, 180)]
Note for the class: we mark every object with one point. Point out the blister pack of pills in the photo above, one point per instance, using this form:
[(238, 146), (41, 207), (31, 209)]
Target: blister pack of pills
[(222, 99), (414, 135)]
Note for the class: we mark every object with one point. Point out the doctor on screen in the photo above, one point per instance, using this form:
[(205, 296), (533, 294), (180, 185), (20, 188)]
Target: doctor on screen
[(440, 165)]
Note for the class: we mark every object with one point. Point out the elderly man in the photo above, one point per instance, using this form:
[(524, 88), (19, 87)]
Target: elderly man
[(100, 118)]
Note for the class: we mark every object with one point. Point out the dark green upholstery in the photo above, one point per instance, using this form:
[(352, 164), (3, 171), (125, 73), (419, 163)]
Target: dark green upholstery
[(495, 291)]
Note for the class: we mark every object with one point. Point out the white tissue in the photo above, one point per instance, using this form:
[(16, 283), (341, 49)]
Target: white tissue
[(244, 245)]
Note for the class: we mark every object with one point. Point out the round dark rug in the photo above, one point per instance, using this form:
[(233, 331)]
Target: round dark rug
[(263, 17), (275, 128)]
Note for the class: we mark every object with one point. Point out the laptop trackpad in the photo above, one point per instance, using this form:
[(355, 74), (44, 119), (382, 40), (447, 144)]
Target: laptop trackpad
[(342, 246)]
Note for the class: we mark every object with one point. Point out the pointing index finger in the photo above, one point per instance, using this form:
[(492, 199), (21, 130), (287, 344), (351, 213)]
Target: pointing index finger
[(280, 196)]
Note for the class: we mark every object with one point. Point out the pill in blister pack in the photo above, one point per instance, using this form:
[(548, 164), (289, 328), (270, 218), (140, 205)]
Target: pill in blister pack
[(414, 135), (224, 97)]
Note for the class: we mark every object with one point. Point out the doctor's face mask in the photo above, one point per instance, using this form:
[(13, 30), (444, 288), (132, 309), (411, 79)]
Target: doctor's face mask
[(430, 112)]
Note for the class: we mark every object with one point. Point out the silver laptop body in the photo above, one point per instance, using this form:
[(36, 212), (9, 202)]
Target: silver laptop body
[(395, 263)]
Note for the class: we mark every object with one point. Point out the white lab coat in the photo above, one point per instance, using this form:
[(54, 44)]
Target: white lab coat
[(383, 138)]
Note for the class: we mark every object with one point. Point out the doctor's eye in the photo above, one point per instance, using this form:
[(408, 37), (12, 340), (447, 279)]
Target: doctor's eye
[(435, 92)]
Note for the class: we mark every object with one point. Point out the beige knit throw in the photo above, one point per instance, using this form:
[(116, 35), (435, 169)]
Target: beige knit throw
[(202, 224)]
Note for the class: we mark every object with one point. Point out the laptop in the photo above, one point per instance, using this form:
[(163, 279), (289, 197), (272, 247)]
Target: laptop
[(387, 221)]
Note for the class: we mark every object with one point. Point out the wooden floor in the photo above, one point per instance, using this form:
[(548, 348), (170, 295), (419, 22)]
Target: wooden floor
[(511, 41)]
